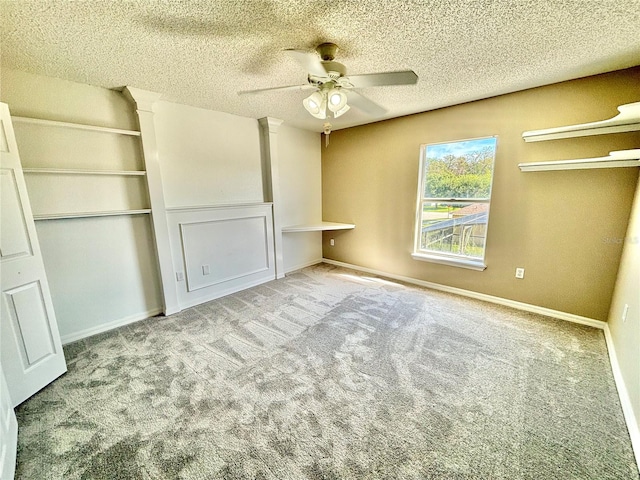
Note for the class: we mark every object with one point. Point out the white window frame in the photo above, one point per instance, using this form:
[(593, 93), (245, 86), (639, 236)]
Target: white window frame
[(445, 258)]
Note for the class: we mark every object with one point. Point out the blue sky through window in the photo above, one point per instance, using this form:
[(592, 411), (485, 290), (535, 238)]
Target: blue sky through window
[(459, 149)]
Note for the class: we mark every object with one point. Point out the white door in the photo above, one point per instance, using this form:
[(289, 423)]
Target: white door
[(31, 350), (8, 432)]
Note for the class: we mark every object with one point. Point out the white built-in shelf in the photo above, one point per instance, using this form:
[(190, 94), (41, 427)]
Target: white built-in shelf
[(63, 171), (60, 216), (621, 158), (78, 126), (628, 120), (318, 227)]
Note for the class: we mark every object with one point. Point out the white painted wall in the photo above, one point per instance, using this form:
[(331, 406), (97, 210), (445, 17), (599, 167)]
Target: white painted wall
[(38, 96), (300, 194), (102, 271), (626, 334), (220, 250), (207, 157), (211, 168), (213, 159)]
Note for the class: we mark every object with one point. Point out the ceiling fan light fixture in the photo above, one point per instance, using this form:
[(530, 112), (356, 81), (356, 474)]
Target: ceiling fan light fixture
[(328, 79), (342, 111), (316, 105), (337, 100)]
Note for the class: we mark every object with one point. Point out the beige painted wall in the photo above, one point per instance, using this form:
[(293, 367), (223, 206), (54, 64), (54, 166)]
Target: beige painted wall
[(554, 224)]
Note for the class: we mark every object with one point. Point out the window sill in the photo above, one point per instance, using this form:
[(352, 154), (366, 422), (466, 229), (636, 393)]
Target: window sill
[(452, 262)]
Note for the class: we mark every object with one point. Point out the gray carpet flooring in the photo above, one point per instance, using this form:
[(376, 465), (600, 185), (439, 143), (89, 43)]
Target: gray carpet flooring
[(332, 374)]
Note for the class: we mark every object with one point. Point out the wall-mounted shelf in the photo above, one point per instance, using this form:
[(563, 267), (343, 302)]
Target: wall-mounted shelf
[(63, 171), (60, 216), (78, 126), (628, 120), (318, 227), (621, 158), (58, 193)]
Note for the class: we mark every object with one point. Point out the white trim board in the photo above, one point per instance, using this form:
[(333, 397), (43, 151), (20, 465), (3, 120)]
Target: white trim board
[(625, 399), (303, 265), (216, 206), (88, 332), (623, 394), (193, 302)]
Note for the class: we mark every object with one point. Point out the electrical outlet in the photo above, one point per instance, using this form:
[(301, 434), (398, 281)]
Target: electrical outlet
[(205, 270), (180, 276), (332, 242), (624, 312), (519, 272)]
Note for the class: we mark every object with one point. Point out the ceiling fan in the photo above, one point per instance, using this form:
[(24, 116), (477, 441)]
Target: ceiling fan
[(334, 90)]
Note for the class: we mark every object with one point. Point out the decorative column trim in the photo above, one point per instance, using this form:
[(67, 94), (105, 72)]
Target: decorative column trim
[(142, 99), (271, 182), (144, 102)]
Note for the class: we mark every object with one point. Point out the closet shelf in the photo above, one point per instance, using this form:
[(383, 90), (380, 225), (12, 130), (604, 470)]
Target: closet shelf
[(60, 216), (78, 126), (628, 120), (63, 171), (617, 159), (318, 227)]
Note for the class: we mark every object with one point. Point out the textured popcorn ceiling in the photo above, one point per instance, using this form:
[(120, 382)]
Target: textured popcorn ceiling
[(202, 53)]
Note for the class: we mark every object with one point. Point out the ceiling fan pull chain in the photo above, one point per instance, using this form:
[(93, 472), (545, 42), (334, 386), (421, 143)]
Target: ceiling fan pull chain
[(327, 131)]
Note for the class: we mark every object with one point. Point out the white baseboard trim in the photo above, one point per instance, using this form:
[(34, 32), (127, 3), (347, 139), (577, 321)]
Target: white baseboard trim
[(527, 307), (192, 302), (625, 399), (75, 336), (304, 265)]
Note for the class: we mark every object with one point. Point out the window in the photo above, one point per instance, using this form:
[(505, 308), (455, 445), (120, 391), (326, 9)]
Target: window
[(454, 195)]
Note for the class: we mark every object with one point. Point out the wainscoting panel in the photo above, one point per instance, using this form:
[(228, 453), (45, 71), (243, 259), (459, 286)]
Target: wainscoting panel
[(218, 250)]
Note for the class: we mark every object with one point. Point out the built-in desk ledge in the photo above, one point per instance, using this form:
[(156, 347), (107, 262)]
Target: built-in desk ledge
[(318, 227), (620, 158), (628, 120)]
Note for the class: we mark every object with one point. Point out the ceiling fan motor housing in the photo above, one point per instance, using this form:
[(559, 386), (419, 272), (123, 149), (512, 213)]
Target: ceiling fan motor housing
[(327, 51)]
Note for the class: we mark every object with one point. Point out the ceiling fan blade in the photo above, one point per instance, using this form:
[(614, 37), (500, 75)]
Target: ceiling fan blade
[(406, 77), (309, 61), (363, 103), (305, 86)]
